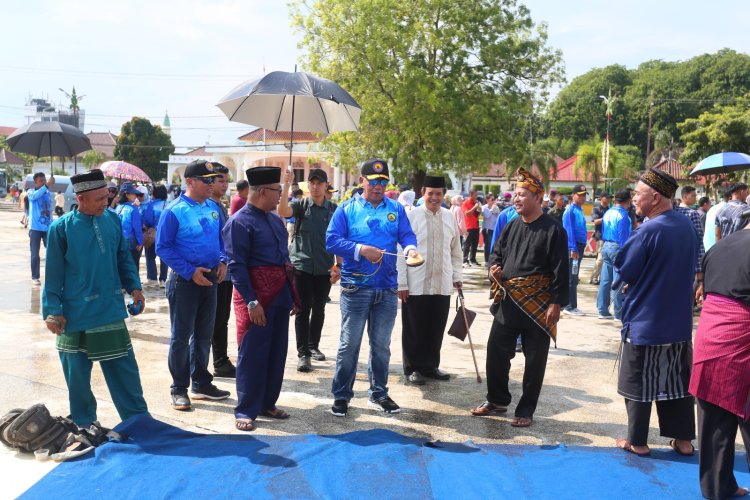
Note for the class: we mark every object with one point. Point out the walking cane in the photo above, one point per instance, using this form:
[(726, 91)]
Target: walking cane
[(468, 334)]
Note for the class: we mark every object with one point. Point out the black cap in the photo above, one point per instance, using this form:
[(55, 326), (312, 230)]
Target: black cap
[(579, 189), (431, 181), (622, 195), (318, 173), (259, 176), (375, 169), (218, 167), (200, 168), (88, 181)]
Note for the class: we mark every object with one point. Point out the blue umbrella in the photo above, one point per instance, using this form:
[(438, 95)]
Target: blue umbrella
[(721, 163)]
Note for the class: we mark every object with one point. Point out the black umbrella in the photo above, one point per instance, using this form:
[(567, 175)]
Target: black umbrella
[(48, 139), (283, 101)]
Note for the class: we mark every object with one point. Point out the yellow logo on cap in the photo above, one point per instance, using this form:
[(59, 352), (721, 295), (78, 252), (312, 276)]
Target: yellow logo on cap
[(215, 215), (377, 167), (391, 217), (209, 166)]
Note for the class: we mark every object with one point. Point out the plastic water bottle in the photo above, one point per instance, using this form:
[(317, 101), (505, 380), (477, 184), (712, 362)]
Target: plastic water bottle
[(135, 308), (574, 269)]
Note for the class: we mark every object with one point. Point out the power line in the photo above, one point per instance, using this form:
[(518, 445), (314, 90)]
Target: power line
[(125, 75)]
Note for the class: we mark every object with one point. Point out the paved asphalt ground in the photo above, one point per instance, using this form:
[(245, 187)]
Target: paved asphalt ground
[(579, 404)]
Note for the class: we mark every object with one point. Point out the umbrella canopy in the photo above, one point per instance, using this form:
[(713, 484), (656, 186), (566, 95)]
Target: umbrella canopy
[(48, 139), (123, 170), (721, 163), (283, 101)]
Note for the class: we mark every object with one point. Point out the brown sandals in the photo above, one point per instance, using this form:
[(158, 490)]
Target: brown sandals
[(244, 425), (488, 408), (522, 422), (275, 413)]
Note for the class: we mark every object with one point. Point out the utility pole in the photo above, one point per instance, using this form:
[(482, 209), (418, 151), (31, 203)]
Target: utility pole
[(609, 100), (648, 134)]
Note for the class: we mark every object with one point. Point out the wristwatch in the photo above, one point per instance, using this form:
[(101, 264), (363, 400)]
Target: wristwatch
[(252, 304)]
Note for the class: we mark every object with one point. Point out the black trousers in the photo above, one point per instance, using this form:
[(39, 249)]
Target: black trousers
[(423, 320), (487, 236), (470, 245), (308, 323), (717, 431), (676, 419), (501, 348), (223, 308)]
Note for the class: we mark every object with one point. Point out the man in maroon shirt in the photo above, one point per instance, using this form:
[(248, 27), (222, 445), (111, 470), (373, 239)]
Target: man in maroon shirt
[(471, 209), (239, 200)]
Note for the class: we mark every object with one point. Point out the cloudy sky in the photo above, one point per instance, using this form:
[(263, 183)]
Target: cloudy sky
[(147, 57)]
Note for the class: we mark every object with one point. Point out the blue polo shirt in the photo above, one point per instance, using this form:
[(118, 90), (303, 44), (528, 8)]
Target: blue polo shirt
[(616, 225), (357, 222), (189, 236), (507, 215), (574, 223), (40, 209)]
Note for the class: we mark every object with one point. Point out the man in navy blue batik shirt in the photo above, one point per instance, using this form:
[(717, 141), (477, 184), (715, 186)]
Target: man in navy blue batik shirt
[(365, 231), (189, 241)]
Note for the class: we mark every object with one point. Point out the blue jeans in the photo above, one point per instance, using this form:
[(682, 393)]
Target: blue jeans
[(151, 265), (35, 239), (377, 308), (573, 278), (191, 311), (609, 276)]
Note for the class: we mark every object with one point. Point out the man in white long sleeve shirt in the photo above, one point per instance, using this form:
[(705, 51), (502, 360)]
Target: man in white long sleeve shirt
[(425, 291)]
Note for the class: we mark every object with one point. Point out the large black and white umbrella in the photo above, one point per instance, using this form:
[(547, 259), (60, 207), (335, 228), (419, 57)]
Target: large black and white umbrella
[(48, 139), (283, 101)]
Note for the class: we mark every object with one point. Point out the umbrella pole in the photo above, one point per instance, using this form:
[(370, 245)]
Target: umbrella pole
[(291, 136), (468, 334)]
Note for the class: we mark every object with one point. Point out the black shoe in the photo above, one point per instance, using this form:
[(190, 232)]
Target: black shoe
[(437, 374), (225, 370), (181, 402), (416, 378), (475, 263), (384, 404), (340, 407), (210, 392), (304, 365), (317, 355)]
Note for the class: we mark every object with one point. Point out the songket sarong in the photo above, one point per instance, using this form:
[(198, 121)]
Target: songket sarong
[(654, 372), (532, 295), (721, 363), (103, 343)]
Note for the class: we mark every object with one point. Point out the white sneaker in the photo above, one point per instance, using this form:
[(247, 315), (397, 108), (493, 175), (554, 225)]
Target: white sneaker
[(574, 312), (36, 282), (162, 284), (606, 317)]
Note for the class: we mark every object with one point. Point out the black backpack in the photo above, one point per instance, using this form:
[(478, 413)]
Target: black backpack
[(33, 429)]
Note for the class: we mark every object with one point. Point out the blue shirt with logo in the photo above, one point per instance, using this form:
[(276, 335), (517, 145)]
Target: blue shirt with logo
[(507, 215), (357, 222), (40, 209), (189, 236), (574, 223), (132, 230), (616, 225)]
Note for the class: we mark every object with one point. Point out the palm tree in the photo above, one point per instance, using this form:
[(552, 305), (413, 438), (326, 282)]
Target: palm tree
[(588, 162)]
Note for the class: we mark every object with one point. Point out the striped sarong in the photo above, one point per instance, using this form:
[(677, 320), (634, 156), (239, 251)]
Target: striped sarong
[(654, 372), (110, 341)]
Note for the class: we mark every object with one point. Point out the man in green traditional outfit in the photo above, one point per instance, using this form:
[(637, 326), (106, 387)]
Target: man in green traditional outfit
[(88, 266)]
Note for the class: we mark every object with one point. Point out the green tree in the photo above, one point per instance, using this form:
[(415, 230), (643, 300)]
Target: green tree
[(624, 164), (92, 158), (545, 154), (725, 128), (144, 145), (443, 84)]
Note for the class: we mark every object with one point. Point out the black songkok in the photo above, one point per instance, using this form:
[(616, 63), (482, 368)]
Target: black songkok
[(260, 176), (88, 181), (434, 181), (660, 181)]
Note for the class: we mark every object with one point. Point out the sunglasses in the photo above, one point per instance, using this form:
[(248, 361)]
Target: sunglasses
[(274, 189), (205, 180), (382, 182)]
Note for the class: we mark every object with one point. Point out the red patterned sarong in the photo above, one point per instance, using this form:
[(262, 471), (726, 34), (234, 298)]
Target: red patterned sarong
[(267, 282), (721, 356)]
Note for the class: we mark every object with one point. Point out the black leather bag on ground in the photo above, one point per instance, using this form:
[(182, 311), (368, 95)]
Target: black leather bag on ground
[(458, 328), (33, 429)]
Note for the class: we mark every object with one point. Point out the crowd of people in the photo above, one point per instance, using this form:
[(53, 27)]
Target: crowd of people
[(276, 253)]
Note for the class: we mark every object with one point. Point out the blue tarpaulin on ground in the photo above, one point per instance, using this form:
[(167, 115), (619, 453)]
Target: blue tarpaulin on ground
[(162, 461)]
